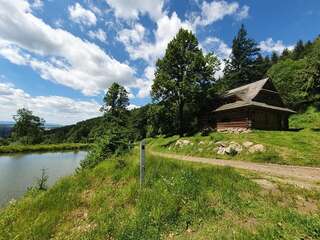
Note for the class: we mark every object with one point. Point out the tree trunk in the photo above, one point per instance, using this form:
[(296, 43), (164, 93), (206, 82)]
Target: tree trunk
[(181, 130)]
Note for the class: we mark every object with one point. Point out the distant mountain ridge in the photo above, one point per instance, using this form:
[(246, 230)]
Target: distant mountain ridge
[(6, 127)]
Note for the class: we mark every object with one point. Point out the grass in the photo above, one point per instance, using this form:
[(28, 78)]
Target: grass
[(42, 147), (309, 119), (179, 201), (283, 147)]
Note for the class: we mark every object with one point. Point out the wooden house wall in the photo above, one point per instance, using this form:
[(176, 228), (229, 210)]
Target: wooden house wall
[(233, 119), (253, 118)]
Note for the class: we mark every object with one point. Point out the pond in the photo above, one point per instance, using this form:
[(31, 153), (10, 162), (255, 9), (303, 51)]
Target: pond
[(20, 171)]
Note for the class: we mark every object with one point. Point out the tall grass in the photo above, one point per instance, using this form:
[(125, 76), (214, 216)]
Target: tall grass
[(178, 201)]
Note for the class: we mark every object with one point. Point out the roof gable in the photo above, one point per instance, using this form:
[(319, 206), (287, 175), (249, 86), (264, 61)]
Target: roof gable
[(247, 92)]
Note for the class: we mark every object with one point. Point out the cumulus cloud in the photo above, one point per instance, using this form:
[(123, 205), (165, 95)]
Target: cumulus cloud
[(51, 108), (220, 48), (270, 46), (81, 15), (37, 4), (140, 48), (243, 13), (99, 34), (217, 10), (26, 40), (130, 10)]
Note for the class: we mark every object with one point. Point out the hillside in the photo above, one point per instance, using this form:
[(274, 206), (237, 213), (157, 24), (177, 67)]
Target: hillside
[(179, 201)]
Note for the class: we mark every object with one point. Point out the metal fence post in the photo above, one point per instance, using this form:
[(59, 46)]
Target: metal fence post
[(142, 161)]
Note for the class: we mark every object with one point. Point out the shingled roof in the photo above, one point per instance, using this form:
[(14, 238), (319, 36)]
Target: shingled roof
[(246, 95), (249, 91), (240, 104)]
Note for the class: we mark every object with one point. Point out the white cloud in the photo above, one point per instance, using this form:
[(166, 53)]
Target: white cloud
[(27, 40), (81, 15), (243, 13), (37, 4), (99, 34), (217, 10), (139, 48), (54, 109), (132, 36), (270, 45), (128, 9), (132, 106), (220, 48)]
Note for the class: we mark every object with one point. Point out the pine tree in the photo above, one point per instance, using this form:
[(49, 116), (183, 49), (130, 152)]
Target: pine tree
[(298, 51), (241, 68), (274, 58)]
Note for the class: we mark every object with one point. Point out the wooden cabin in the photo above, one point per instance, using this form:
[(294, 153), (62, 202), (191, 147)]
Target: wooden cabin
[(254, 106)]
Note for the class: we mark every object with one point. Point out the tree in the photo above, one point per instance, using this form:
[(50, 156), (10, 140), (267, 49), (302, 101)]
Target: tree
[(182, 73), (298, 51), (115, 103), (285, 54), (28, 129), (241, 68), (287, 77), (311, 73), (274, 58)]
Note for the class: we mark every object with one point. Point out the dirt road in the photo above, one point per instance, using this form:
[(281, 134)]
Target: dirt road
[(306, 177)]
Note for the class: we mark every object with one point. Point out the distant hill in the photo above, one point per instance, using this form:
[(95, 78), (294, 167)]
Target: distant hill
[(6, 128)]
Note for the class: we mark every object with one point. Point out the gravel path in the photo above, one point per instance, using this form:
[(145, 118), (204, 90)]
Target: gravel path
[(307, 177)]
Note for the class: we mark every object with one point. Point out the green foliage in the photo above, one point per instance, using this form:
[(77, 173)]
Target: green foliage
[(28, 128), (183, 74), (286, 76), (241, 69), (307, 119), (116, 101), (42, 181)]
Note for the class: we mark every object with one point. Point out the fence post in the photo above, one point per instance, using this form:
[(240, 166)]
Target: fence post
[(142, 161)]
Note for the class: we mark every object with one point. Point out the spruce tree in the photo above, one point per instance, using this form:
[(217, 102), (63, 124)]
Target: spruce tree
[(241, 68), (298, 51)]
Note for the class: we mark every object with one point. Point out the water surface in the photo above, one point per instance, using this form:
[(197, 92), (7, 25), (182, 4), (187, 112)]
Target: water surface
[(20, 171)]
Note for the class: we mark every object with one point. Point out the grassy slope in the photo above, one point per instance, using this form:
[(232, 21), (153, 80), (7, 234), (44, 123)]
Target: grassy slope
[(295, 148), (43, 147), (309, 119), (283, 147), (180, 201)]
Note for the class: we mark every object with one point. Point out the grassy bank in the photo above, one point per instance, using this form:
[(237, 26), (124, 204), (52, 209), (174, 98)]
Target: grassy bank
[(179, 201), (43, 147), (283, 147)]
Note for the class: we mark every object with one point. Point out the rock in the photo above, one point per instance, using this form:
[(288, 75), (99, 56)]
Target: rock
[(222, 144), (234, 130), (201, 143), (221, 150), (257, 148), (235, 146), (247, 144), (182, 142)]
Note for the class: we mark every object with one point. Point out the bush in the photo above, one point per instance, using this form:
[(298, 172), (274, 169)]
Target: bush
[(206, 131), (111, 144)]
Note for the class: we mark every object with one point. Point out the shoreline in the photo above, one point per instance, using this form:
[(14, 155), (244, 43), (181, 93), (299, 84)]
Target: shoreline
[(12, 149)]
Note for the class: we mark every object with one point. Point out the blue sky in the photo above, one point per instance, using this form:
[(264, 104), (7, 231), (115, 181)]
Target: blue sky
[(57, 58)]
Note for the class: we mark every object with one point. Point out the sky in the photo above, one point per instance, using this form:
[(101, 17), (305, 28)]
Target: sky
[(58, 57)]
